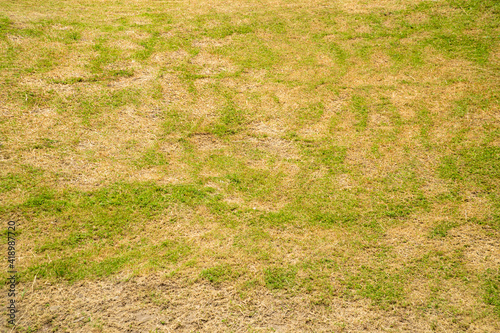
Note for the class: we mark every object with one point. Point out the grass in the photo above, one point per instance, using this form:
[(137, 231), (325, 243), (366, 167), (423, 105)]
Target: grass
[(328, 151), (492, 289), (279, 278)]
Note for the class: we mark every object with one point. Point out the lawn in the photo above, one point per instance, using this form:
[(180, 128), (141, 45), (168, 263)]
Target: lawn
[(251, 166)]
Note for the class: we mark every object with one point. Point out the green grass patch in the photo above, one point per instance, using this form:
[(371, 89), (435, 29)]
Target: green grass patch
[(217, 274), (152, 157), (280, 277), (231, 121), (492, 289), (441, 229), (479, 165), (380, 285), (361, 110)]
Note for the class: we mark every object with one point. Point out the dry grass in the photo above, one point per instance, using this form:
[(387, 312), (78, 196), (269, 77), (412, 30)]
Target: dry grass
[(246, 166)]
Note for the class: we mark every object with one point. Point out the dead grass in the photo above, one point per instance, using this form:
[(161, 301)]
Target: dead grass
[(246, 166)]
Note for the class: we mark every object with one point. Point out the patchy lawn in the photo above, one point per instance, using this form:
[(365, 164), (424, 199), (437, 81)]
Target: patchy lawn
[(252, 166)]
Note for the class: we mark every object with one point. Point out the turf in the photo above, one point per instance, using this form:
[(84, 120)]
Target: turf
[(337, 159)]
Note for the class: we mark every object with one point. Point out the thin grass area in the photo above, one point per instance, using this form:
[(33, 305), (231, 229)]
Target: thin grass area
[(318, 151)]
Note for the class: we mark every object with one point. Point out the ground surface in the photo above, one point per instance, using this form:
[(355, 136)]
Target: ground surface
[(247, 166)]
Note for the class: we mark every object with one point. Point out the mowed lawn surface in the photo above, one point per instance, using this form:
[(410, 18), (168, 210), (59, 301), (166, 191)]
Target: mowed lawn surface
[(252, 166)]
